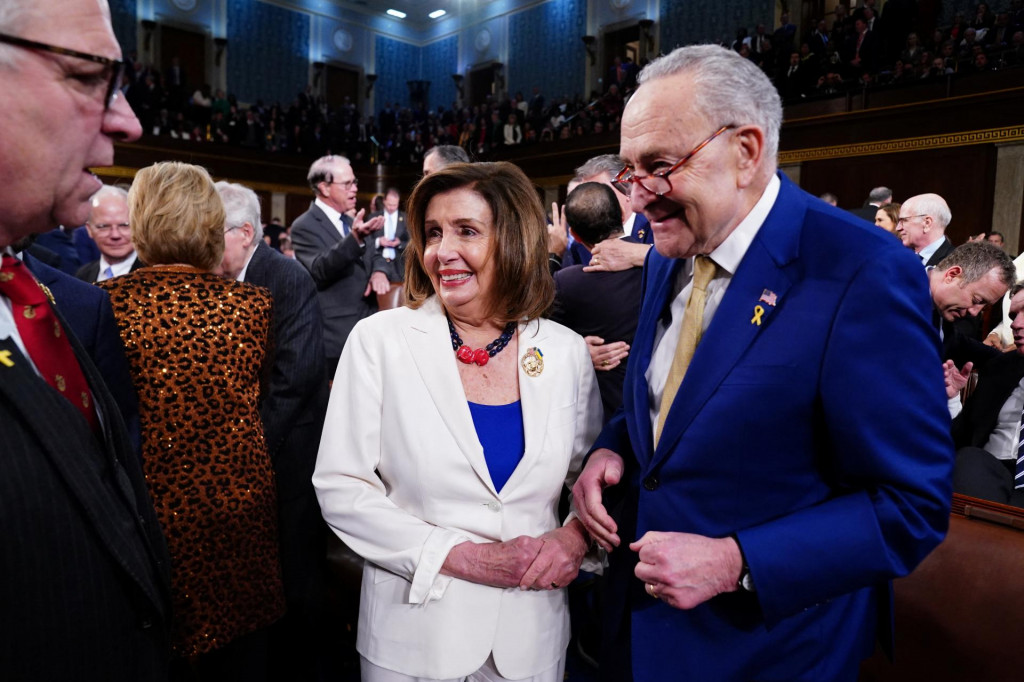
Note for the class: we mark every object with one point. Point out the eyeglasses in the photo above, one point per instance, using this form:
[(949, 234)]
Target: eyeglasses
[(107, 227), (901, 220), (345, 183), (658, 183), (115, 67)]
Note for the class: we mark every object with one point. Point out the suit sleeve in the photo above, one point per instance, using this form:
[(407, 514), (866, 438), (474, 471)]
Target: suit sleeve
[(884, 441), (326, 263), (353, 498)]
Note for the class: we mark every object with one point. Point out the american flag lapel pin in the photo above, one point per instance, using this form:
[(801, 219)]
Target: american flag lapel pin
[(768, 296)]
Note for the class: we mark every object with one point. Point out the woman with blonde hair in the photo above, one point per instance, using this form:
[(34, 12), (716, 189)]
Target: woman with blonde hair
[(196, 344)]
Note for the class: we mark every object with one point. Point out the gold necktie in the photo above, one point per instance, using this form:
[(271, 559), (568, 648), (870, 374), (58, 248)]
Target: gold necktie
[(689, 336)]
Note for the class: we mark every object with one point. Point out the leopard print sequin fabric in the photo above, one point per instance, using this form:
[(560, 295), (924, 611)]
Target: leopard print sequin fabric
[(196, 343)]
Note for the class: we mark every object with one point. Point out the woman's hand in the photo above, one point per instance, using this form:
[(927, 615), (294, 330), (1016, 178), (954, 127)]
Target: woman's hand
[(558, 562), (498, 564)]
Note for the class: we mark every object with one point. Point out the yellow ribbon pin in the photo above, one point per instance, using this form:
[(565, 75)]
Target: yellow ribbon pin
[(5, 358), (758, 312)]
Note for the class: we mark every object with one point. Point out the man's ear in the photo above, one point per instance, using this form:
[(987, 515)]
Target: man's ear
[(750, 149), (954, 272)]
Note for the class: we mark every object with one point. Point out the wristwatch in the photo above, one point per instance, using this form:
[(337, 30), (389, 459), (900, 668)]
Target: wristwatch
[(746, 581)]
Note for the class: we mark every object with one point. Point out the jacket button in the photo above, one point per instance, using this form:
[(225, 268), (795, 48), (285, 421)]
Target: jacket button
[(494, 505), (651, 483), (146, 624)]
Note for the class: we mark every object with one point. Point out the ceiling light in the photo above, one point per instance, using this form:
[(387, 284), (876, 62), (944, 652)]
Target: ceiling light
[(396, 13), (437, 13)]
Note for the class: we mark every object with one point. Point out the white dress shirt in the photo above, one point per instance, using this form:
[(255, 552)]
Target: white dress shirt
[(334, 217), (1002, 442), (118, 269), (927, 252), (727, 257)]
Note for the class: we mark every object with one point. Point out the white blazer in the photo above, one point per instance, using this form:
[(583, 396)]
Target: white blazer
[(401, 478)]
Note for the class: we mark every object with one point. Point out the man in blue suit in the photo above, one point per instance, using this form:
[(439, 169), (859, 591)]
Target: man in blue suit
[(783, 450)]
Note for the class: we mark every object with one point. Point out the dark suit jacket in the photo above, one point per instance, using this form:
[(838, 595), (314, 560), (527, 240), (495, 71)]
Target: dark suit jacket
[(88, 312), (85, 569), (341, 269), (773, 438), (90, 272), (996, 381), (944, 250), (296, 398), (867, 212), (605, 304), (61, 243), (395, 268), (294, 404)]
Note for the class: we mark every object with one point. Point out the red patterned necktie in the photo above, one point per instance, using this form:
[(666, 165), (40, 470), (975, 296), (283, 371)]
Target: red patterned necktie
[(44, 338)]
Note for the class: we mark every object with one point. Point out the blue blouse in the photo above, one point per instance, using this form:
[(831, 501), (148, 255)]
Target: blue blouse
[(500, 430)]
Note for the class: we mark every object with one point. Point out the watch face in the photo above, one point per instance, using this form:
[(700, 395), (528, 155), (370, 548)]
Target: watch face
[(746, 581)]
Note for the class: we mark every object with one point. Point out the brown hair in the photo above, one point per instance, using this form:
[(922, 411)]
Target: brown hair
[(523, 288), (176, 216)]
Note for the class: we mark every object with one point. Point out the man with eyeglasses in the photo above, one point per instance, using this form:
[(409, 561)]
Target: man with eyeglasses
[(109, 227), (753, 493), (85, 569), (922, 227), (333, 247)]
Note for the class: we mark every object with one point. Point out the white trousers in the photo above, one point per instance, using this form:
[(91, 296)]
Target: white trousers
[(487, 673)]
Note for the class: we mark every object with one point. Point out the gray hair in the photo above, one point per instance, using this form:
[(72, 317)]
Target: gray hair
[(322, 170), (13, 17), (977, 259), (931, 205), (105, 191), (727, 89), (606, 163), (879, 194), (448, 153), (241, 205)]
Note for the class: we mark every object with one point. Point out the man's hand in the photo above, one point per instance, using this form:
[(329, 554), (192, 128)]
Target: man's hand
[(685, 570), (499, 564), (977, 237), (392, 243), (995, 341), (558, 562), (361, 229), (604, 468), (378, 284), (558, 233), (606, 356), (613, 255), (956, 379)]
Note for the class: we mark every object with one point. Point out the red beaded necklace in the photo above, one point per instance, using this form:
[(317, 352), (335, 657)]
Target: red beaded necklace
[(479, 356)]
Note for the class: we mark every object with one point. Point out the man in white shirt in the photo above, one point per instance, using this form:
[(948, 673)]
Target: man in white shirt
[(109, 227), (987, 433)]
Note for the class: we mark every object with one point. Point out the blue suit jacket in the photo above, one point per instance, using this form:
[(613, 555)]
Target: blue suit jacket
[(87, 310), (819, 437)]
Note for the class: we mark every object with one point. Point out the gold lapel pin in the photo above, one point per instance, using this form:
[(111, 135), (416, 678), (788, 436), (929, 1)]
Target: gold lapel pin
[(533, 362), (5, 358)]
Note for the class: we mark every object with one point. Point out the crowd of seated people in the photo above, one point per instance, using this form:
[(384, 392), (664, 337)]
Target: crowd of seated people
[(866, 48)]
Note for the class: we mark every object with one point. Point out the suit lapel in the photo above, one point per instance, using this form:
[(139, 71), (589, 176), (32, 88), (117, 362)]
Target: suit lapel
[(660, 273), (431, 350), (42, 407), (735, 324), (535, 396)]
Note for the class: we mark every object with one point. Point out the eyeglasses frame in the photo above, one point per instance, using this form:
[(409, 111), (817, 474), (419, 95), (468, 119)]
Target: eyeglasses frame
[(627, 178), (118, 66)]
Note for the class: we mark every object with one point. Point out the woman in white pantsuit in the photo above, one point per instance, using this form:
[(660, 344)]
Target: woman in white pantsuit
[(453, 424)]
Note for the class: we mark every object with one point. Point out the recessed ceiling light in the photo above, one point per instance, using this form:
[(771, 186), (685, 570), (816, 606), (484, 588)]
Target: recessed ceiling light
[(396, 13), (437, 13)]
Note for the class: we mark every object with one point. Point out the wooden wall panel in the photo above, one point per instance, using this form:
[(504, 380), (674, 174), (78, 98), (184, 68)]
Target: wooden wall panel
[(963, 176)]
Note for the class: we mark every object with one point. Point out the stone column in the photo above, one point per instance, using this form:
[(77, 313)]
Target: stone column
[(1009, 194)]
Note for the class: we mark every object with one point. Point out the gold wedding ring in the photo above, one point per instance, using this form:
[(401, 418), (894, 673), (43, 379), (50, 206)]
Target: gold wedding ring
[(650, 590)]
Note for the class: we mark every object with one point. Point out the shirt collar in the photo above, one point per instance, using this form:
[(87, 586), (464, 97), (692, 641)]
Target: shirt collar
[(730, 253), (927, 252), (331, 213)]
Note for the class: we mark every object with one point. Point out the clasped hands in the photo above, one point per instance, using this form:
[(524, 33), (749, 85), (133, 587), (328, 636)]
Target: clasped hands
[(682, 569), (548, 562)]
